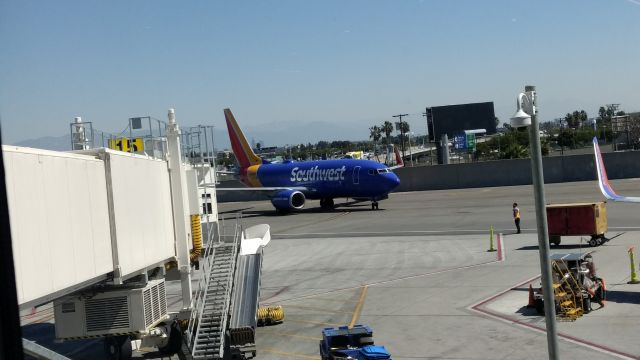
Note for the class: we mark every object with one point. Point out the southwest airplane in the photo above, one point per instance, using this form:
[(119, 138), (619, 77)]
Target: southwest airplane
[(603, 180), (292, 182)]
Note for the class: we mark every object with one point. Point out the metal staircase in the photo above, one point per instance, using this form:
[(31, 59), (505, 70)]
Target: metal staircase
[(567, 293), (209, 318)]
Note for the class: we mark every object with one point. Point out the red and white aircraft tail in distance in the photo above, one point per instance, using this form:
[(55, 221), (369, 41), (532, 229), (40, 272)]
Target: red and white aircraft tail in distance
[(603, 180)]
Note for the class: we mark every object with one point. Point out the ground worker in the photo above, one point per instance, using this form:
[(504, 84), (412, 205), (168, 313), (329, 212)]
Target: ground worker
[(595, 288), (516, 216)]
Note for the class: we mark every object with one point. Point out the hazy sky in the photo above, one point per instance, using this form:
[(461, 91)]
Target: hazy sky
[(356, 62)]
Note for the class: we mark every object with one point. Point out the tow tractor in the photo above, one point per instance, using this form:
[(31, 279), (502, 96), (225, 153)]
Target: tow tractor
[(575, 285), (351, 343)]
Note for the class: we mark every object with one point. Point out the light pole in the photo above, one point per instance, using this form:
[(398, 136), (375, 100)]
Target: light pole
[(410, 153), (526, 116), (402, 129)]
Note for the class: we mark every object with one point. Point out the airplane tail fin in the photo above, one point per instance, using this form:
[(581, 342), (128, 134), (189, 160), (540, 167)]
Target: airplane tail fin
[(399, 162), (241, 148)]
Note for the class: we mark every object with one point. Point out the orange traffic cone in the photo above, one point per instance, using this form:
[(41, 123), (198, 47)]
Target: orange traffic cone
[(532, 301)]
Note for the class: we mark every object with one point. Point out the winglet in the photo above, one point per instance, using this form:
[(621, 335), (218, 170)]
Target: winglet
[(241, 149), (603, 180)]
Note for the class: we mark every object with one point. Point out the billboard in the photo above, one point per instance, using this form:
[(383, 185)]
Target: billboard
[(454, 119)]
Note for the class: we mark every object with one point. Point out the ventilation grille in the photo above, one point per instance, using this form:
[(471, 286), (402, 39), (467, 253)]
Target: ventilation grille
[(146, 297), (107, 314), (163, 299), (155, 303)]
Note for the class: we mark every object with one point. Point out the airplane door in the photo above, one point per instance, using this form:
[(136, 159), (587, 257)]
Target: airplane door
[(356, 175)]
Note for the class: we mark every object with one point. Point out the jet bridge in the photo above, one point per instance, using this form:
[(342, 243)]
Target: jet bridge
[(78, 219), (95, 231)]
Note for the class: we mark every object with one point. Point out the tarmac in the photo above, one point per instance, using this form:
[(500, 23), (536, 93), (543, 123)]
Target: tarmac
[(418, 272)]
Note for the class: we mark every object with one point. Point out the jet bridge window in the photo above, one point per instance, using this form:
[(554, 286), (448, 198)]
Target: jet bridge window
[(206, 204)]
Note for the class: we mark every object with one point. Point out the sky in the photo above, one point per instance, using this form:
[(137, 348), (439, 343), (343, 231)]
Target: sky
[(297, 62)]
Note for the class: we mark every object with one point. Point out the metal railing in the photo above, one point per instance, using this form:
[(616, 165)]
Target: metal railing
[(199, 299), (229, 287)]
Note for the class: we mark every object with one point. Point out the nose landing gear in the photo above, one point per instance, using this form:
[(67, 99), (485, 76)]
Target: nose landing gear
[(374, 205)]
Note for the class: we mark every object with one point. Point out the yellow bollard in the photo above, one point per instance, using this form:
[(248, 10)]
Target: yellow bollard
[(634, 276), (491, 248)]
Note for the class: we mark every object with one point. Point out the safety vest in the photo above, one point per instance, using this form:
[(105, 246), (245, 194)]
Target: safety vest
[(516, 213)]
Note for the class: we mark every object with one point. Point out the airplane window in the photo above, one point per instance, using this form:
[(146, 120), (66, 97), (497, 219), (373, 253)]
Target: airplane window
[(372, 172), (382, 171)]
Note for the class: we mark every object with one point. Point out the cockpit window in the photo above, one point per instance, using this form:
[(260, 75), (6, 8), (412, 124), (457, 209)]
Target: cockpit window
[(382, 171)]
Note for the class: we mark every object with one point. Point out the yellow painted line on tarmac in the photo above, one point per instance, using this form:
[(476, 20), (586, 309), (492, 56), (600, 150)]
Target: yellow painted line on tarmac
[(292, 335), (293, 355), (356, 312)]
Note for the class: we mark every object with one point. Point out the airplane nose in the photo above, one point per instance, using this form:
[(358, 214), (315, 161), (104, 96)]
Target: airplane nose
[(394, 181)]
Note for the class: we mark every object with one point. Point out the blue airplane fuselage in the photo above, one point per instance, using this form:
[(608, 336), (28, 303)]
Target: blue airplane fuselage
[(327, 178)]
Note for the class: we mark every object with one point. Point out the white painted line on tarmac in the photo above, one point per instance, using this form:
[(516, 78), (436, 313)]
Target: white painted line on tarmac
[(413, 232), (477, 307), (394, 232)]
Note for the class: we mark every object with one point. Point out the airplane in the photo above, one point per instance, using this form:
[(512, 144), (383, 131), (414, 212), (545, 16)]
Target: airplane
[(603, 180), (291, 183)]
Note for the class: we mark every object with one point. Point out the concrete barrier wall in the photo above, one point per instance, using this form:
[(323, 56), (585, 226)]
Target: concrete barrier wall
[(556, 169), (516, 172)]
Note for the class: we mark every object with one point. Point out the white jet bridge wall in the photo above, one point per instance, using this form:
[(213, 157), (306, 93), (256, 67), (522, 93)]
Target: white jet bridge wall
[(59, 220), (142, 211)]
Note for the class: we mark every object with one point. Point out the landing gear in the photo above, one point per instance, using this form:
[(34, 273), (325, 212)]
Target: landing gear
[(326, 203), (118, 347), (374, 205)]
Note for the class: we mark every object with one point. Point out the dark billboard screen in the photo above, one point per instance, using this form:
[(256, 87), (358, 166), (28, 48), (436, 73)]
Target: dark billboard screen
[(454, 119)]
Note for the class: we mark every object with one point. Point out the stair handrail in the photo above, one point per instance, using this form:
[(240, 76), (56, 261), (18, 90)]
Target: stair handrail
[(228, 287), (197, 302)]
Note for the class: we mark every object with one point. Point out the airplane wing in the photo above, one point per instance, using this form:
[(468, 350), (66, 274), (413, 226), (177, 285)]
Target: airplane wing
[(268, 189), (399, 161), (603, 181)]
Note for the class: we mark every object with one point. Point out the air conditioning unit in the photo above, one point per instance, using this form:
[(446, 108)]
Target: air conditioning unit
[(111, 312)]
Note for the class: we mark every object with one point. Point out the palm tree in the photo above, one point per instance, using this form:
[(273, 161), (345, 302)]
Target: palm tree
[(387, 129), (375, 133)]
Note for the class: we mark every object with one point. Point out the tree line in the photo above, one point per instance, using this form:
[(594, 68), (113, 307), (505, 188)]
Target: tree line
[(571, 131)]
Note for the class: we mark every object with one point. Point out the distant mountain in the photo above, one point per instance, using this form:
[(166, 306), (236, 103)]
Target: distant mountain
[(282, 133), (56, 143), (274, 134)]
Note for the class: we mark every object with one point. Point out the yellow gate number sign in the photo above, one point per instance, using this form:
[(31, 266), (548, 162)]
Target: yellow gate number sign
[(127, 145)]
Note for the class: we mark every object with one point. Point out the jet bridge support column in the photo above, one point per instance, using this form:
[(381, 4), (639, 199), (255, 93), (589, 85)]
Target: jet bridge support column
[(176, 174)]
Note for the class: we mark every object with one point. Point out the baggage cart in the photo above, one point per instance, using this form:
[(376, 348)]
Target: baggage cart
[(578, 219)]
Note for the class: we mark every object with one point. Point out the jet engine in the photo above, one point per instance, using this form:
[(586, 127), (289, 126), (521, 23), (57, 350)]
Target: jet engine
[(288, 200)]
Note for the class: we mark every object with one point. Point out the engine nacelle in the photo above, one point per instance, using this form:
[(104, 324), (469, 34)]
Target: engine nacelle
[(288, 200)]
